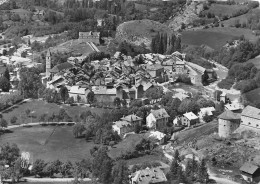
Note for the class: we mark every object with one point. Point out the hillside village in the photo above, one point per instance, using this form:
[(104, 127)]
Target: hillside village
[(129, 92)]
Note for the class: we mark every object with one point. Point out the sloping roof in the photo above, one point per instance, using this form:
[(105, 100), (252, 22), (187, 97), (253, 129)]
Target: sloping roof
[(160, 113), (229, 115), (131, 117), (207, 110), (157, 135), (147, 176), (154, 67), (234, 106), (60, 67), (78, 90), (190, 115), (249, 168), (252, 112), (121, 124)]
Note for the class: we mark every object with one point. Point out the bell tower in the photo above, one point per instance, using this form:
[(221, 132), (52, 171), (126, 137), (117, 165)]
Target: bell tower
[(48, 63)]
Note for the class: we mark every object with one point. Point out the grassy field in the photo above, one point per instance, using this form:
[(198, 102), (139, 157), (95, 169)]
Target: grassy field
[(127, 144), (221, 9), (254, 95), (40, 107), (49, 143), (73, 46), (215, 37), (241, 18)]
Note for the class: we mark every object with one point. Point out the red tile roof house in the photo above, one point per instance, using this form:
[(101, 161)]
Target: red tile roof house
[(250, 172)]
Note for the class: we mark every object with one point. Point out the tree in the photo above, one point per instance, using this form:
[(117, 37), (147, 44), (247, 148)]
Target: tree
[(102, 165), (91, 97), (7, 74), (13, 119), (207, 118), (78, 98), (64, 93), (70, 100), (203, 171), (78, 129), (30, 82), (66, 169), (154, 93), (38, 167), (120, 173), (137, 128), (9, 154), (3, 123), (117, 102), (27, 112), (53, 167), (5, 84)]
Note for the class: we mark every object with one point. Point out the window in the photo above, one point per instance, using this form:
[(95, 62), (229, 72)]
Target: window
[(249, 123)]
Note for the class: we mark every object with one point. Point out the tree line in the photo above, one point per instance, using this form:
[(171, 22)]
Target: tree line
[(163, 43)]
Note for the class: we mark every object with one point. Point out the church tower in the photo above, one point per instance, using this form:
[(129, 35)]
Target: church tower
[(48, 63)]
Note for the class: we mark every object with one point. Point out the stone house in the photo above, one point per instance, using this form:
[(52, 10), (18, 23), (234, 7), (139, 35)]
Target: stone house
[(189, 119), (157, 119), (122, 127), (76, 91), (133, 119), (250, 118), (228, 122), (155, 70)]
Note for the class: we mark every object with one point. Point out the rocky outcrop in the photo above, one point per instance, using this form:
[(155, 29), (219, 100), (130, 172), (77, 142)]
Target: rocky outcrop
[(140, 32)]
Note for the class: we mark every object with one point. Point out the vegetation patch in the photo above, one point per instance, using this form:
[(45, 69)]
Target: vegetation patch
[(49, 143)]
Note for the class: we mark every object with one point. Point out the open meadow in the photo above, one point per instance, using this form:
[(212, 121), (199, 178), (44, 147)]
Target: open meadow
[(215, 37), (49, 143), (39, 108), (223, 9)]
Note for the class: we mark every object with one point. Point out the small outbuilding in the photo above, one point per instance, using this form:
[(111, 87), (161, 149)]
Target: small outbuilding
[(250, 172)]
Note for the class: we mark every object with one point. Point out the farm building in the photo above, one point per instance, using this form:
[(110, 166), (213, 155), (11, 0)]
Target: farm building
[(157, 119), (179, 66), (228, 122), (189, 119), (250, 118), (250, 172), (89, 37)]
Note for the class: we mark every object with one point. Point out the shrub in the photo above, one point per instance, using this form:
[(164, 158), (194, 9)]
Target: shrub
[(226, 83)]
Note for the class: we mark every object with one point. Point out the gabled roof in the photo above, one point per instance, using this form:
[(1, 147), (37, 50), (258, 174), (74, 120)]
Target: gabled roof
[(229, 115), (252, 112), (249, 168), (121, 124), (78, 90), (131, 117), (190, 115), (154, 67), (160, 113), (207, 110)]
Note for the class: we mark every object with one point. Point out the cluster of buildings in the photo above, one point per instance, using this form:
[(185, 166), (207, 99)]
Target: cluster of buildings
[(120, 76), (245, 119)]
